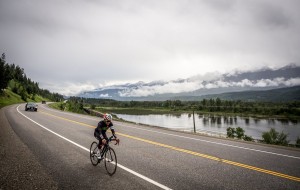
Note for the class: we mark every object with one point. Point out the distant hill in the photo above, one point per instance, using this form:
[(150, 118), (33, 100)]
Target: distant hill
[(255, 83), (274, 95)]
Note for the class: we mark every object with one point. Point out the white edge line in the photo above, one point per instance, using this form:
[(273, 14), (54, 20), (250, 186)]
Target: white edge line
[(78, 145), (223, 144), (262, 151)]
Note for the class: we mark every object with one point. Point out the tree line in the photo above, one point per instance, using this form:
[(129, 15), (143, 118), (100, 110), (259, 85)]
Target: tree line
[(13, 76), (204, 105)]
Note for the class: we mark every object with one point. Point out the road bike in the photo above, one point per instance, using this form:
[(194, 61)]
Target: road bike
[(107, 154)]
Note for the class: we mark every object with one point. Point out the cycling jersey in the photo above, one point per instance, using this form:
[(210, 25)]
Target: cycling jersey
[(100, 131)]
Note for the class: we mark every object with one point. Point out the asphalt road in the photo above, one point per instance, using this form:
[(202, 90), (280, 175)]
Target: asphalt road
[(149, 158)]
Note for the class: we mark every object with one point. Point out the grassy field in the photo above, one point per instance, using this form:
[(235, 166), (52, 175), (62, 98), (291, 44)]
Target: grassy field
[(9, 98)]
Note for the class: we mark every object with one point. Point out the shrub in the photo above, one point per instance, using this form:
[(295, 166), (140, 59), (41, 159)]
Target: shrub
[(231, 132), (240, 132), (273, 137), (270, 137), (248, 138), (62, 106), (298, 142), (281, 139)]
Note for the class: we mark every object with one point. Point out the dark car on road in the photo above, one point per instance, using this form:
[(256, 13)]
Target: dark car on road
[(31, 106)]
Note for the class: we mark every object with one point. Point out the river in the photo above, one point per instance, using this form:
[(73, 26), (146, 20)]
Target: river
[(217, 125)]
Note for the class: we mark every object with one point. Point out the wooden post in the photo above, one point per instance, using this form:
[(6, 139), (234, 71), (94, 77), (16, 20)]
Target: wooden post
[(194, 121)]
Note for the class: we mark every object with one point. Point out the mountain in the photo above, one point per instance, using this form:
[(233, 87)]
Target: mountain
[(275, 95), (211, 85)]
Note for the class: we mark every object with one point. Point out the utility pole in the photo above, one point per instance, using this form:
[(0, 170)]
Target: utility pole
[(194, 121)]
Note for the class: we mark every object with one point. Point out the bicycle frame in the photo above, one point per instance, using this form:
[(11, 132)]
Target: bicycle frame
[(107, 154), (104, 149)]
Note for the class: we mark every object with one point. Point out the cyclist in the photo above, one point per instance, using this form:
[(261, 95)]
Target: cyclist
[(100, 131)]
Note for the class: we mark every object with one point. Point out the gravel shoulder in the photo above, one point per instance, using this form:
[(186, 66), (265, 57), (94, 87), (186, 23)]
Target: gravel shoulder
[(19, 169)]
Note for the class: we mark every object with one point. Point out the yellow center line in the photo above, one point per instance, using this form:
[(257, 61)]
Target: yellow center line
[(191, 152)]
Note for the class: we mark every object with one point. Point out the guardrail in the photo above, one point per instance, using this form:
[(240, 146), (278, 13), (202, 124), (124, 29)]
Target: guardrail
[(93, 112)]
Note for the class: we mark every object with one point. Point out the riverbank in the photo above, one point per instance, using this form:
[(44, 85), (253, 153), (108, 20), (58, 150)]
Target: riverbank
[(148, 111)]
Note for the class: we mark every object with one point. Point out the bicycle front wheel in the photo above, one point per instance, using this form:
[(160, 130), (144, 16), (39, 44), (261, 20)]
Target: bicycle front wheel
[(110, 159), (93, 152)]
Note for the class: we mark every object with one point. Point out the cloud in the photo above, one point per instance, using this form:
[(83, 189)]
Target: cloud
[(64, 42), (68, 88), (104, 96), (170, 87), (189, 86)]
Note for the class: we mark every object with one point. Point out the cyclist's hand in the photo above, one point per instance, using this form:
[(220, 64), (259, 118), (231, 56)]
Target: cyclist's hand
[(103, 141), (117, 141)]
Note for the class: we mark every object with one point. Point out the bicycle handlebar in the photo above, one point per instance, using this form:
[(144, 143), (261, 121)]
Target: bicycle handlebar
[(112, 138)]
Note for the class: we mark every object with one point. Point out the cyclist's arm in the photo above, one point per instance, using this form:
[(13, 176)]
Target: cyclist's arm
[(115, 136), (113, 132), (105, 136)]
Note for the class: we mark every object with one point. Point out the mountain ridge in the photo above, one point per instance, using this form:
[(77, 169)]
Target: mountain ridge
[(198, 86), (286, 94)]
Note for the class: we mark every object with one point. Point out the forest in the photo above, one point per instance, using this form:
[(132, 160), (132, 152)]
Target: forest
[(14, 77)]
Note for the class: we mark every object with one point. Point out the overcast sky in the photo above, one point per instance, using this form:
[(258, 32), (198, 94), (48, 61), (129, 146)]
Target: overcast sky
[(73, 45)]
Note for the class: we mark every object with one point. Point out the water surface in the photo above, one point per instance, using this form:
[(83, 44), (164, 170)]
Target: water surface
[(217, 125)]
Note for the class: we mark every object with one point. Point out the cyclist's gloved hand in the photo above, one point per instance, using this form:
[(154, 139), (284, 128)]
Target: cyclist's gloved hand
[(117, 141)]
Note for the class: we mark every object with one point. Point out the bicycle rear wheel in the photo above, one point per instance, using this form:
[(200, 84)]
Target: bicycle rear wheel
[(110, 160), (93, 152)]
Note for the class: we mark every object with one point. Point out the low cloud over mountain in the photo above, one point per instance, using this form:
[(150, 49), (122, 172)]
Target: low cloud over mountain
[(215, 83)]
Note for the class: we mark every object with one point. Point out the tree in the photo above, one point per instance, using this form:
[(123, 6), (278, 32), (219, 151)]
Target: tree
[(218, 104), (19, 73), (2, 71)]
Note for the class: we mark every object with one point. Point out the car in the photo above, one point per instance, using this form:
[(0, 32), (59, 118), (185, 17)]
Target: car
[(31, 106), (43, 102)]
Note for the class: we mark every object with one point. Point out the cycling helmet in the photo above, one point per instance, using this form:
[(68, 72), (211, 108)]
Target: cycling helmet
[(107, 117)]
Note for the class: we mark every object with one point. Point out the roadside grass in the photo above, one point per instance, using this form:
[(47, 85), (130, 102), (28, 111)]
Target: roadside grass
[(55, 105), (8, 98)]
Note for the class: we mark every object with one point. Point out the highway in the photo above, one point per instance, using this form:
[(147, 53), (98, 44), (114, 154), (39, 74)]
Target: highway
[(149, 157)]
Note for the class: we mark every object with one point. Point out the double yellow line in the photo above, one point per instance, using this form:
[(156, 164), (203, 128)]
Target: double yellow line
[(192, 152)]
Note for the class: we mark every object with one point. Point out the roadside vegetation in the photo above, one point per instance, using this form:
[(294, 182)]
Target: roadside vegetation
[(71, 105), (16, 87), (238, 133), (268, 137), (280, 110), (274, 137)]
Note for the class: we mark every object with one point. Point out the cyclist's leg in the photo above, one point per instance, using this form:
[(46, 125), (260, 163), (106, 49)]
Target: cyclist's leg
[(99, 143), (98, 137)]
